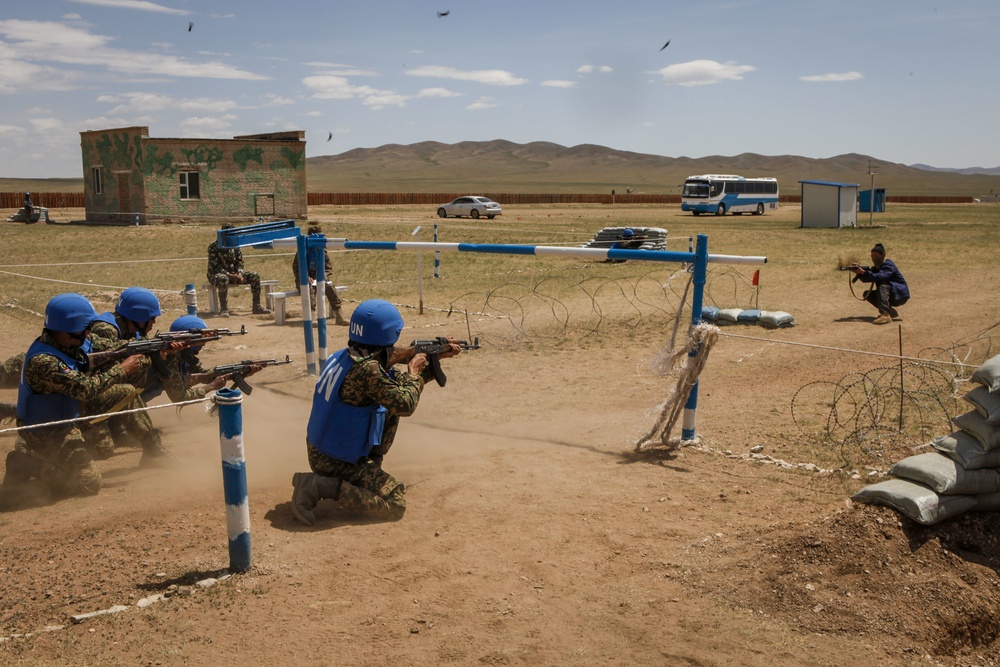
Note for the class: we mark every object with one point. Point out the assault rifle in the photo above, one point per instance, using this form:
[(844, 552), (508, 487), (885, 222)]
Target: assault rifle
[(151, 347), (188, 334), (8, 412), (237, 372), (434, 347)]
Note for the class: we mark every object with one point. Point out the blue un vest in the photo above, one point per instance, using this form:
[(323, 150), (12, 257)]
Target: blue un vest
[(35, 408), (110, 319), (343, 432)]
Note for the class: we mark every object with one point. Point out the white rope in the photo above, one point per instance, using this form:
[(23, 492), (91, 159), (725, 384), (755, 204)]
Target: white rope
[(844, 349), (107, 414)]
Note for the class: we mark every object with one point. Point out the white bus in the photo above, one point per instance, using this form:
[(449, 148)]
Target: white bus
[(725, 193)]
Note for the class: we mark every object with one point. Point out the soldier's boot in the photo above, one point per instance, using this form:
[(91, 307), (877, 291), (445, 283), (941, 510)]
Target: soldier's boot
[(883, 318), (223, 303), (257, 308), (21, 467), (120, 434), (154, 454), (310, 488), (339, 318)]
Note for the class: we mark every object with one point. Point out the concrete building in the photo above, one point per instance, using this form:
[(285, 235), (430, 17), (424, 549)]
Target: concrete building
[(829, 204), (126, 173)]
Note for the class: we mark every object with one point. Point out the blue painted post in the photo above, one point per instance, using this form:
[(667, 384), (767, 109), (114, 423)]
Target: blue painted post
[(234, 477), (697, 299), (437, 255), (307, 325), (191, 299), (316, 256), (136, 219)]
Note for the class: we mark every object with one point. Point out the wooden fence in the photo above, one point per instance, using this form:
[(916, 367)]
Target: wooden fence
[(75, 199)]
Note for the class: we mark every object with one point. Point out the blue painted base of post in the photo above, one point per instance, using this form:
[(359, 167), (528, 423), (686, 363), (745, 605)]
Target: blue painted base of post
[(234, 478)]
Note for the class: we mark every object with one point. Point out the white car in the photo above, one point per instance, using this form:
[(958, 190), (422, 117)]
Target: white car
[(470, 206)]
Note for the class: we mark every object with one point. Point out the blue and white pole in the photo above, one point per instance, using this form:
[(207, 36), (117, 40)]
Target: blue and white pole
[(316, 256), (302, 247), (191, 299), (437, 254), (234, 477), (697, 299)]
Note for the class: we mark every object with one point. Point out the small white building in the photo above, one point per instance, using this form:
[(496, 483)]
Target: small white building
[(829, 204)]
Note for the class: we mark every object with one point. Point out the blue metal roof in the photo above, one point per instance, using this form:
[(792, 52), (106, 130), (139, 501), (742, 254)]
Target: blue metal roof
[(839, 185)]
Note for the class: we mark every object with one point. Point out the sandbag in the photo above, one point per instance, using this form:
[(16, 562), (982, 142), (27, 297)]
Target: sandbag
[(986, 403), (748, 316), (915, 501), (965, 450), (945, 475), (976, 425), (775, 319), (729, 315), (988, 374), (709, 313)]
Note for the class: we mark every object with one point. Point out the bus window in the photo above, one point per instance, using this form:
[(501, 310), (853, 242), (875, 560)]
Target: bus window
[(694, 189)]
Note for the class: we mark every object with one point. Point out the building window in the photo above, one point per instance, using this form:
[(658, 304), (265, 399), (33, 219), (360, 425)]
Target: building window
[(189, 185), (97, 176)]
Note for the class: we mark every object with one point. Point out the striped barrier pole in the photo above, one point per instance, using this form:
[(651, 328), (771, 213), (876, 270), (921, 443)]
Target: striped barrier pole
[(307, 326), (437, 254), (190, 299), (234, 477), (697, 299), (316, 257)]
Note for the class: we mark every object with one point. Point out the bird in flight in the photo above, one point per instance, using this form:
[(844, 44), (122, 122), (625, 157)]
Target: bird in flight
[(190, 25), (329, 136), (444, 13), (665, 45)]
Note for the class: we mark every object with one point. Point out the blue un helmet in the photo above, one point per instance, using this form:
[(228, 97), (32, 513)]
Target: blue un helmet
[(188, 322), (138, 304), (376, 322), (627, 234), (69, 313)]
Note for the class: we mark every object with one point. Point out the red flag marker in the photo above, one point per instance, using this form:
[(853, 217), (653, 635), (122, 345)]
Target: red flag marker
[(756, 277)]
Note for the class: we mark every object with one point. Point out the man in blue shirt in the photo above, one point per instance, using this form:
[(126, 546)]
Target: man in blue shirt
[(889, 288)]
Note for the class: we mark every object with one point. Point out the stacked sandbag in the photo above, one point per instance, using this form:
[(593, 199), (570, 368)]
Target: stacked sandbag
[(769, 319), (963, 471), (653, 238)]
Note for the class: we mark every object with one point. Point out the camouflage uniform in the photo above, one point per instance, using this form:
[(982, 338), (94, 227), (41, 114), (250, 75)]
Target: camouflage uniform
[(331, 290), (123, 429), (369, 489), (10, 371), (222, 262), (64, 462), (181, 365)]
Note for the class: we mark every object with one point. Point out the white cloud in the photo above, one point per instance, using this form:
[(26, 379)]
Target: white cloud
[(557, 83), (333, 87), (17, 76), (141, 5), (313, 113), (11, 130), (833, 76), (146, 102), (72, 17), (207, 125), (383, 98), (703, 72), (28, 42), (46, 124), (438, 92), (481, 103), (491, 77), (590, 69), (272, 100)]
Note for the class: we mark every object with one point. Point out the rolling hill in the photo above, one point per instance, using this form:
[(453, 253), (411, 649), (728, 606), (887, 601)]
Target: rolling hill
[(543, 167)]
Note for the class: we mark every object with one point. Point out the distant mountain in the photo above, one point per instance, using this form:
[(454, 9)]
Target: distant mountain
[(499, 166), (987, 171)]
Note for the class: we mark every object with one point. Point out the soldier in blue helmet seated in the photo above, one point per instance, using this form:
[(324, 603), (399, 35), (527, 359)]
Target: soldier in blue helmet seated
[(358, 401), (53, 387)]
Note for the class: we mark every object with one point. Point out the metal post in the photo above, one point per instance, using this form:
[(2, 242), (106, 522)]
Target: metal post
[(316, 255), (191, 299), (697, 299), (420, 274), (307, 327), (234, 477)]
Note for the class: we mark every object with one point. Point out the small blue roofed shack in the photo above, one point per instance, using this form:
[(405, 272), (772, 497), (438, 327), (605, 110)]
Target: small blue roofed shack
[(829, 204)]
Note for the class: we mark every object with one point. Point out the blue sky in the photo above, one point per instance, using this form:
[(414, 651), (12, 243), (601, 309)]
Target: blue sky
[(901, 80)]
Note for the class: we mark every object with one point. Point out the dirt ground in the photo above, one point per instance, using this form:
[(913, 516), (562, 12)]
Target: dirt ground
[(533, 535)]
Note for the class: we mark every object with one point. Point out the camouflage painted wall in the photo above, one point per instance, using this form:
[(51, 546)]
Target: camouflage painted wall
[(143, 175), (118, 153), (230, 173)]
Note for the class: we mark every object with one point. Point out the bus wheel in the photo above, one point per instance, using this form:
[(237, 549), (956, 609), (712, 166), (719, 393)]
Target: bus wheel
[(760, 208), (721, 210), (695, 212)]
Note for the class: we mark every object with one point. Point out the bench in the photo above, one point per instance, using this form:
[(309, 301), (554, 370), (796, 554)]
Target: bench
[(266, 286), (277, 302)]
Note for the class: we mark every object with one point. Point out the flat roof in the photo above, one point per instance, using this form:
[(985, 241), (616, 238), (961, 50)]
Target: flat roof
[(833, 183)]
